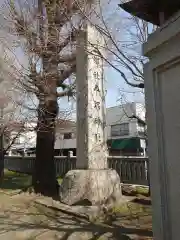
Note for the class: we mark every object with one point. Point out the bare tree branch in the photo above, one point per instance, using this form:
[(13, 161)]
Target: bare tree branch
[(65, 74), (122, 56), (67, 58)]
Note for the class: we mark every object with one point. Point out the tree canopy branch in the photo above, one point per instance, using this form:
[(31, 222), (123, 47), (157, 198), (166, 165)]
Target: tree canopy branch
[(65, 74)]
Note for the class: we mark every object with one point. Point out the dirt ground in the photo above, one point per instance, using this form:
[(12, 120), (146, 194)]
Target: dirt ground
[(21, 218)]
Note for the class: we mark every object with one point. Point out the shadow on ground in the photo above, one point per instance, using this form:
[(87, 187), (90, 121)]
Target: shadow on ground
[(21, 218), (14, 181), (37, 222)]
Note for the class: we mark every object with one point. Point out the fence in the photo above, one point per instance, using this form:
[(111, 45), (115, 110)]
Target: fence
[(132, 170)]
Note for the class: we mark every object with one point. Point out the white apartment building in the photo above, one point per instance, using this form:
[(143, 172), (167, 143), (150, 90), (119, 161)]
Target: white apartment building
[(24, 137), (122, 120), (65, 137), (125, 129), (25, 141), (125, 132)]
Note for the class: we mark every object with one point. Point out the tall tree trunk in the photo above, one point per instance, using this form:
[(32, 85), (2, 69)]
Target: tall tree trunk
[(44, 175), (44, 180)]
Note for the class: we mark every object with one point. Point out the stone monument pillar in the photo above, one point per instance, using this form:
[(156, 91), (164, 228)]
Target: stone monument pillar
[(91, 142), (162, 85), (92, 180)]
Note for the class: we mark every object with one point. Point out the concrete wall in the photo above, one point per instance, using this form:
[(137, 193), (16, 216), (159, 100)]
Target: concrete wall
[(62, 143), (65, 143), (162, 85)]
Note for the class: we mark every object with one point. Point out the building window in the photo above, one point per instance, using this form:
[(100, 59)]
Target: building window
[(67, 135), (120, 130), (141, 129)]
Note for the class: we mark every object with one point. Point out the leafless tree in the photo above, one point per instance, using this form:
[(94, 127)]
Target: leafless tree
[(124, 35), (45, 34), (8, 108)]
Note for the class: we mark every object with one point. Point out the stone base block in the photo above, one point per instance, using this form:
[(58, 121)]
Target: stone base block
[(91, 187)]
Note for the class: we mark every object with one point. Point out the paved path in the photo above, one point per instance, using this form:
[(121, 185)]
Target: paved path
[(21, 219)]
